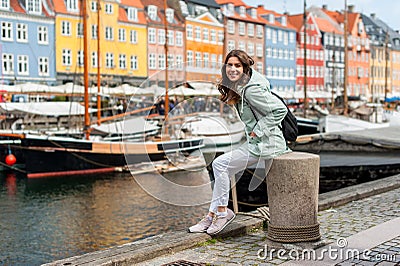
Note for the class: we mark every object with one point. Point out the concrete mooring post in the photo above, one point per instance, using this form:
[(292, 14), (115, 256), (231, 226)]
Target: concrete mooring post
[(292, 187)]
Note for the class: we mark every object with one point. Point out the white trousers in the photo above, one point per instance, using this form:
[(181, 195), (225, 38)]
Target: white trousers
[(225, 167)]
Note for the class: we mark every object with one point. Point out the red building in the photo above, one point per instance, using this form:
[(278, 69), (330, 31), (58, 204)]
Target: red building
[(310, 72)]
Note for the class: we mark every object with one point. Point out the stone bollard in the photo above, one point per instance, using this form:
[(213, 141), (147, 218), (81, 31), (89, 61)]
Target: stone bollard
[(292, 186)]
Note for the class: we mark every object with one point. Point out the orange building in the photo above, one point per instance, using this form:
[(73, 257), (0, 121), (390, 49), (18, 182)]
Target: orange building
[(358, 52), (204, 39)]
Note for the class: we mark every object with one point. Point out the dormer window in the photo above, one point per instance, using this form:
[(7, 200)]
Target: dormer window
[(152, 12), (231, 8), (271, 18), (132, 14), (184, 8), (170, 15), (254, 13), (242, 11), (283, 21), (72, 5), (33, 6), (4, 4)]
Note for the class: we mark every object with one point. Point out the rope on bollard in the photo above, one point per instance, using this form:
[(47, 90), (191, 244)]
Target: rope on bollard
[(292, 234)]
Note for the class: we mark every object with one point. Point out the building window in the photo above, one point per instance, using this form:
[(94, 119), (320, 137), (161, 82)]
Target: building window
[(205, 35), (170, 15), (134, 62), (231, 26), (206, 60), (43, 35), (94, 59), (179, 62), (161, 61), (4, 4), (22, 32), (231, 45), (170, 64), (93, 6), (122, 35), (152, 35), (133, 36), (242, 28), (259, 67), (122, 61), (33, 6), (110, 60), (66, 57), (213, 36), (79, 30), (80, 58), (109, 8), (23, 65), (152, 12), (161, 36), (189, 32), (179, 39), (190, 58), (94, 32), (198, 60), (197, 33), (66, 28), (132, 14), (171, 37), (220, 36), (72, 5), (6, 31), (259, 31), (109, 34), (259, 50), (152, 61), (250, 29), (250, 48), (43, 66)]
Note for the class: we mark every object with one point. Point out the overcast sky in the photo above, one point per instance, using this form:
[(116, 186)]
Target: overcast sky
[(387, 10)]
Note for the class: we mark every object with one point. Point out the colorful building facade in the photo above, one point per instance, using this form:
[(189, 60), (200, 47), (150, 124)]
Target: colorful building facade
[(27, 43), (204, 40), (280, 52)]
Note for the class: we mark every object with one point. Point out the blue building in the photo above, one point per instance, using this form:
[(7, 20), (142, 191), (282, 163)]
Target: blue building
[(27, 44), (280, 52)]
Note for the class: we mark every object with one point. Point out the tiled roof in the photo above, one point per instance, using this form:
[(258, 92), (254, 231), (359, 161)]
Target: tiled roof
[(16, 6), (296, 21), (131, 3), (325, 26), (262, 12)]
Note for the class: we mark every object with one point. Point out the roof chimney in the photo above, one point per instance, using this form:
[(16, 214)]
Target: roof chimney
[(350, 8), (325, 7), (373, 15), (261, 6)]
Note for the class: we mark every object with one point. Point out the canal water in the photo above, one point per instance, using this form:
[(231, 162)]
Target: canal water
[(43, 220)]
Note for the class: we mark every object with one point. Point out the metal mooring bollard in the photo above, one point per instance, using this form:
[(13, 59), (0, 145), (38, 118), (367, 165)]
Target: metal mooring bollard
[(292, 186)]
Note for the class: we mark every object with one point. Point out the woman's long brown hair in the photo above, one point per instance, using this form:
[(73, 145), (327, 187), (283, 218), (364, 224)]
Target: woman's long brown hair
[(227, 87)]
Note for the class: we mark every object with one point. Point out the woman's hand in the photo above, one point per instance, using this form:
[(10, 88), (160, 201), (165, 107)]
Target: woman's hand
[(252, 134)]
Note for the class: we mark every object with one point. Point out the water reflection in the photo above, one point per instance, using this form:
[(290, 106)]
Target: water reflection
[(43, 220)]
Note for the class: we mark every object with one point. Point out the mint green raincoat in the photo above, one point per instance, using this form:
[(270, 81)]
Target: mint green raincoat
[(269, 141)]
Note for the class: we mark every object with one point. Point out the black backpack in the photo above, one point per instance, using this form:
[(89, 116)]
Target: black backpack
[(289, 123)]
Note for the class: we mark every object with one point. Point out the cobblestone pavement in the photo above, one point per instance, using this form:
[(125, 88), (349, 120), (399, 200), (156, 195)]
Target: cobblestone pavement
[(340, 222)]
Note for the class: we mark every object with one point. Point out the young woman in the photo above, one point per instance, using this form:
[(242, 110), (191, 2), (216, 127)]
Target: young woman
[(262, 113)]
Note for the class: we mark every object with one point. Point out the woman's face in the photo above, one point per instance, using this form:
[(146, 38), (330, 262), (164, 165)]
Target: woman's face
[(234, 69)]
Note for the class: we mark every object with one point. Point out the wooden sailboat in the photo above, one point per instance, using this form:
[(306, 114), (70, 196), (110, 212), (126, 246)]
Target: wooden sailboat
[(55, 156)]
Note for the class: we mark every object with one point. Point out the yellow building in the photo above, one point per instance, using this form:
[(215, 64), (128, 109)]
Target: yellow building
[(122, 29)]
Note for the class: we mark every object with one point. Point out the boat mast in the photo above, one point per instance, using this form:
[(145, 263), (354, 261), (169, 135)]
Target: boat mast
[(166, 102), (345, 100), (305, 59), (98, 65), (85, 71)]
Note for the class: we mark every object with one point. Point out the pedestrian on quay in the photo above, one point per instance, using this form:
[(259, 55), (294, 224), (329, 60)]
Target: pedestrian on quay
[(247, 90)]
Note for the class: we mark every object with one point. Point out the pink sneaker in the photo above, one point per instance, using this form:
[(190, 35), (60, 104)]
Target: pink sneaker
[(200, 227), (219, 223)]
